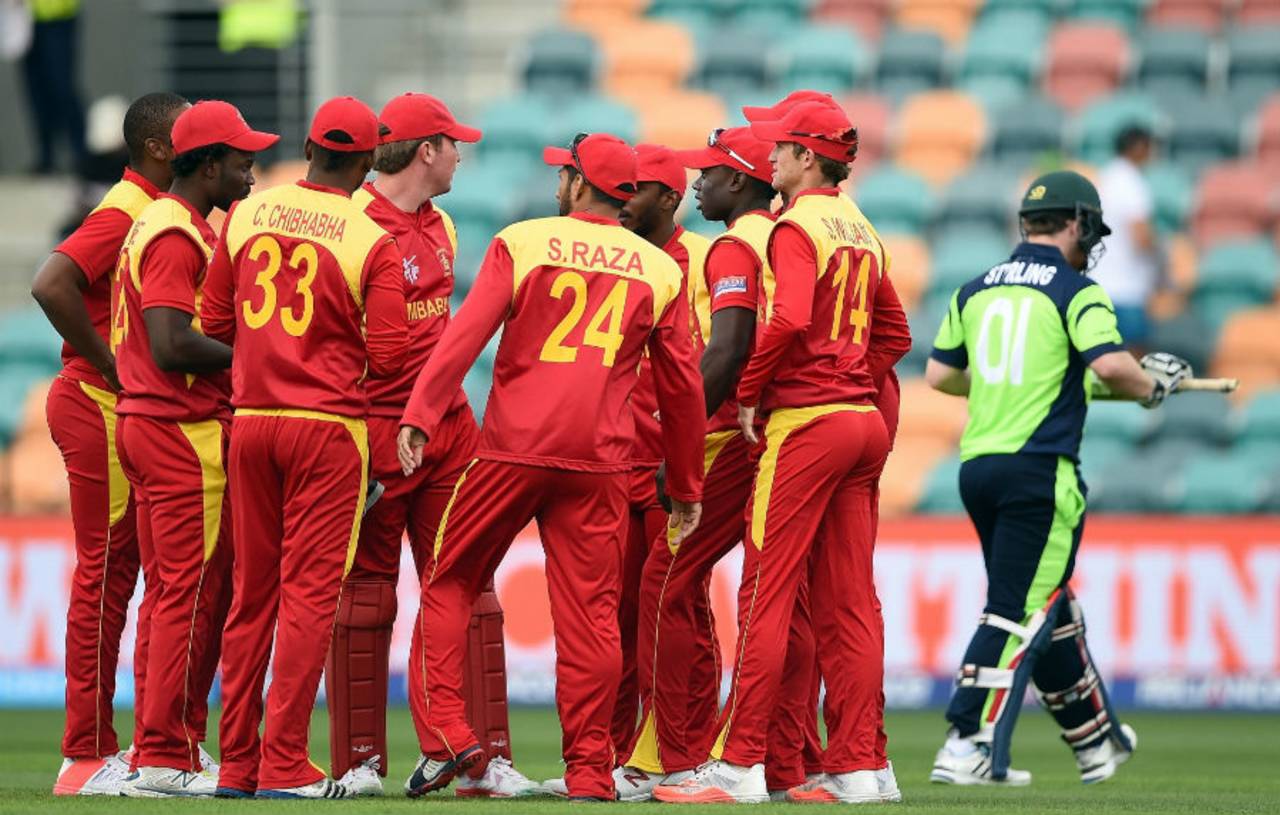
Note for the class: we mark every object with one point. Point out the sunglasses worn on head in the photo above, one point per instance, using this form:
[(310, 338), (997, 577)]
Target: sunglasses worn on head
[(713, 140), (573, 152)]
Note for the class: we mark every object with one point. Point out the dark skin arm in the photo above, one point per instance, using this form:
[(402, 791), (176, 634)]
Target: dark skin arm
[(731, 332), (179, 348), (59, 289)]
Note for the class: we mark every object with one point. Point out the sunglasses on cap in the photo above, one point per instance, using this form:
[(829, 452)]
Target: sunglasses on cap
[(850, 135), (573, 152), (713, 140)]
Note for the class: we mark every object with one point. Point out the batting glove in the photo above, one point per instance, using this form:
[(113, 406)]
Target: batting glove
[(1168, 371)]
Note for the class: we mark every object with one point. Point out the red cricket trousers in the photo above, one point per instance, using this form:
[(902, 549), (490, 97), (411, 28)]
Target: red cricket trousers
[(794, 749), (644, 523), (184, 524), (579, 517), (414, 504), (82, 422), (298, 480), (812, 496), (678, 656)]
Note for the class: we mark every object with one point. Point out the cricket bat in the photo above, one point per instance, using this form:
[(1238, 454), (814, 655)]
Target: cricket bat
[(1099, 391)]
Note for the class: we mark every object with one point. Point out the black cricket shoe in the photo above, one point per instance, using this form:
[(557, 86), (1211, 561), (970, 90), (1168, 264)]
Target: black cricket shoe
[(433, 773)]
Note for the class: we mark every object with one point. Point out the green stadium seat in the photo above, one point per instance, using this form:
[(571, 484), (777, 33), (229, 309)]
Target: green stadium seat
[(1260, 422), (1028, 133), (961, 255), (1215, 308), (1124, 13), (924, 322), (594, 114), (16, 378), (770, 16), (1173, 191), (895, 200), (984, 198), (1135, 484), (1122, 421), (692, 220), (1100, 453), (560, 62), (1006, 44), (1226, 483), (696, 15), (516, 128), (1242, 269), (825, 59), (1206, 417), (1186, 335), (735, 63), (1253, 68), (941, 494), (1045, 9), (26, 337), (1098, 124), (482, 201), (911, 60), (1204, 131), (1174, 62)]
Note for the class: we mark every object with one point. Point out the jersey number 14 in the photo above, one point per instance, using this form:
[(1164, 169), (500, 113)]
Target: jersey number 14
[(1004, 361)]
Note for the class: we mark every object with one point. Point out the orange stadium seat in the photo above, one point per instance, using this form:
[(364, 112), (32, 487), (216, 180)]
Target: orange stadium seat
[(677, 118), (1269, 134), (939, 134), (868, 17), (1249, 350), (39, 482), (870, 114), (907, 471), (926, 412), (1234, 200), (1085, 60), (1180, 261), (950, 19), (908, 267), (33, 411), (1204, 15), (645, 56), (591, 13)]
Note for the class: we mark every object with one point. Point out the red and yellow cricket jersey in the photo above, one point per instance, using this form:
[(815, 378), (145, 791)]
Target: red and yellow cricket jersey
[(736, 266), (95, 247), (428, 245), (162, 265), (579, 299), (688, 250), (834, 325), (308, 290)]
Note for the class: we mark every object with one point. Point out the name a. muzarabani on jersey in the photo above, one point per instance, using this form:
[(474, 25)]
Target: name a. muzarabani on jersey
[(593, 256), (1021, 272)]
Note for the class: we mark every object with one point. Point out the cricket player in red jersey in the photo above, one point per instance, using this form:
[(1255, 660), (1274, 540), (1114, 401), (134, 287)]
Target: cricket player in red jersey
[(415, 161), (679, 669), (834, 327), (309, 291), (73, 287), (174, 420), (580, 299), (660, 186)]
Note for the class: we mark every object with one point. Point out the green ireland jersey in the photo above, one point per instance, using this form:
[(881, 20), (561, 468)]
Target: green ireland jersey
[(1027, 330)]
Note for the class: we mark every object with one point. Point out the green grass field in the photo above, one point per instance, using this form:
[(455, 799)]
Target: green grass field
[(1187, 763)]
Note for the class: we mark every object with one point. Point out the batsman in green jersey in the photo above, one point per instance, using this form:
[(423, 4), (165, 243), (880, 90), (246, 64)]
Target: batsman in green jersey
[(1019, 341)]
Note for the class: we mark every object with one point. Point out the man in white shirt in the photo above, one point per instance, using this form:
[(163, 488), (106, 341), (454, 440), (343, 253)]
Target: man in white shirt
[(1129, 270)]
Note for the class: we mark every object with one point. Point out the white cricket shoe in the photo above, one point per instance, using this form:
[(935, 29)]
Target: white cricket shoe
[(857, 787), (889, 792), (966, 763), (500, 780), (1099, 763), (208, 765), (362, 780), (166, 782), (717, 782), (91, 776), (632, 784), (324, 788)]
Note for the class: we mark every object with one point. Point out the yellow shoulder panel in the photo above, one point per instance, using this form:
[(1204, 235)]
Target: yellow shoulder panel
[(125, 196), (449, 229)]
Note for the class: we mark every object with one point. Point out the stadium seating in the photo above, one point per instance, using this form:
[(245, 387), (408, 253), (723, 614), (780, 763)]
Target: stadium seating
[(895, 199), (941, 491), (950, 19), (1268, 136), (983, 198), (1204, 131), (645, 55), (1253, 68), (1254, 12), (1002, 57), (1172, 192), (825, 59), (735, 63), (870, 114), (908, 267), (963, 254), (680, 119), (1095, 128), (867, 17), (1122, 13), (561, 61), (1234, 201), (1234, 275), (1203, 15), (940, 134), (1249, 337), (1174, 62), (1027, 133), (911, 61), (1086, 61)]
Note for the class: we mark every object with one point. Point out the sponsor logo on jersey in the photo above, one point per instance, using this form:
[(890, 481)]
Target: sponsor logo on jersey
[(446, 263), (729, 285)]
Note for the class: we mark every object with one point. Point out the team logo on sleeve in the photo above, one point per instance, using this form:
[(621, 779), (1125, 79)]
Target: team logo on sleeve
[(446, 262), (729, 285), (411, 268)]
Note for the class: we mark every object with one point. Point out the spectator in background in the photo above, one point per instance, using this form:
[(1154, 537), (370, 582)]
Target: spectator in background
[(49, 69), (1129, 270)]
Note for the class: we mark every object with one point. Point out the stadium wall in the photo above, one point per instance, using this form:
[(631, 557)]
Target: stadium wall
[(1183, 613)]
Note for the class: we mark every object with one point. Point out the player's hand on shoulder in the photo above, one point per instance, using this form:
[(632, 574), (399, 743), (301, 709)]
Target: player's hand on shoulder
[(1168, 371), (409, 446)]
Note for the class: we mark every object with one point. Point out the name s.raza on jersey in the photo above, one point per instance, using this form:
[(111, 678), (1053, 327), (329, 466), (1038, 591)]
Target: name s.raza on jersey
[(581, 253)]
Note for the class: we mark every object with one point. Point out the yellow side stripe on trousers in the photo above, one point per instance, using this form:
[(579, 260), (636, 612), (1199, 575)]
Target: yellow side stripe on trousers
[(117, 483), (205, 439)]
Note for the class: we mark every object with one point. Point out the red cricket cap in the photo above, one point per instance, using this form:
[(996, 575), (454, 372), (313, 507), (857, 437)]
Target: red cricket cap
[(825, 130), (217, 122), (657, 163), (734, 147), (418, 115), (606, 161), (777, 111), (346, 125)]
